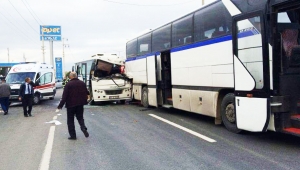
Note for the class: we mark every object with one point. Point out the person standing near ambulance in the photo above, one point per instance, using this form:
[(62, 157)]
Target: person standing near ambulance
[(5, 91), (26, 96)]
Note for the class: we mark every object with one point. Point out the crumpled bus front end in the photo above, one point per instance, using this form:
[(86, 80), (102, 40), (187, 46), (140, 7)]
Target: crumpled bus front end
[(113, 88)]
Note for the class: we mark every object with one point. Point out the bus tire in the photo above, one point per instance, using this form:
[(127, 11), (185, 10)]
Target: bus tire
[(36, 99), (228, 113), (145, 101)]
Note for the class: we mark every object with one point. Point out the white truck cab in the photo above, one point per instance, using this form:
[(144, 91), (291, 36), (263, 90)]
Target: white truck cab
[(41, 74)]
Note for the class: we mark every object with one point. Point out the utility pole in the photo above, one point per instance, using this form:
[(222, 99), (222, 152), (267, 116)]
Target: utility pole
[(51, 52), (43, 47), (8, 55), (63, 58), (24, 57)]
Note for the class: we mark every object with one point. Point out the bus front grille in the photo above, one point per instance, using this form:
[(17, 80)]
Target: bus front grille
[(113, 92)]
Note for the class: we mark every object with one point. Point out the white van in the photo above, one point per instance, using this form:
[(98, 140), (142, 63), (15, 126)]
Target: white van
[(41, 74)]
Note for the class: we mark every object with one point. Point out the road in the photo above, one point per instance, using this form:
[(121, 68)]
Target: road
[(130, 137)]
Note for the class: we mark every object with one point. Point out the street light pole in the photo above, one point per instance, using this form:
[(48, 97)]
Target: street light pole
[(203, 2)]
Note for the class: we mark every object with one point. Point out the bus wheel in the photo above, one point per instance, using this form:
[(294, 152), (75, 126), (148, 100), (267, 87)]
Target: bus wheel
[(228, 113), (145, 101), (36, 99)]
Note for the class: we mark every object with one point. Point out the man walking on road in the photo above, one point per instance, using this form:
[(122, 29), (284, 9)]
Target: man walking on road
[(26, 96), (75, 96), (4, 96)]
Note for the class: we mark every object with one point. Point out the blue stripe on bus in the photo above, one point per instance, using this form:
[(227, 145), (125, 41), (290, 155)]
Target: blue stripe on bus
[(200, 44), (203, 43)]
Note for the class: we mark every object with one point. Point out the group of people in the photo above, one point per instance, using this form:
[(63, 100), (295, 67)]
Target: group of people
[(74, 97)]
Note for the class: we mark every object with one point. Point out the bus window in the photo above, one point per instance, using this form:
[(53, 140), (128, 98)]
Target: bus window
[(208, 24), (144, 44), (161, 38), (131, 48), (283, 18), (182, 31), (256, 23)]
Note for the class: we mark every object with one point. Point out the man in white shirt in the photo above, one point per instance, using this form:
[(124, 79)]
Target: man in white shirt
[(26, 96)]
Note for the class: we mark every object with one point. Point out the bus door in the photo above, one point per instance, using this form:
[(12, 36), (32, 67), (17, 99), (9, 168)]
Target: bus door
[(166, 82), (251, 72), (81, 71), (153, 79)]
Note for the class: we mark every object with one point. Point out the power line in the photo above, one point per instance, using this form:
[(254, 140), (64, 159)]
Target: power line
[(17, 28), (132, 4), (34, 12), (22, 33), (31, 13), (22, 17)]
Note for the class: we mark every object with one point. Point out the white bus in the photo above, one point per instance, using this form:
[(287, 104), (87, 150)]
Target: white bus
[(235, 60), (105, 78)]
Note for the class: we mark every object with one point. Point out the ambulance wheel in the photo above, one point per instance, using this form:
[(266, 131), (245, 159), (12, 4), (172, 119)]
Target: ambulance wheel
[(36, 99), (145, 101), (228, 113)]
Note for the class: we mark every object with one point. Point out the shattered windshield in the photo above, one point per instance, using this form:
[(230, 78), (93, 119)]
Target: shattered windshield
[(104, 69), (18, 78)]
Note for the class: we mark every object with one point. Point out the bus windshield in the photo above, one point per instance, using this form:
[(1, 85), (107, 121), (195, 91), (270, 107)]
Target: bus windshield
[(105, 69), (18, 78)]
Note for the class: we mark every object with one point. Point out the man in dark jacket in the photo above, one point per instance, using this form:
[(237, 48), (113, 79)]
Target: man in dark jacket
[(75, 96), (4, 96), (26, 96)]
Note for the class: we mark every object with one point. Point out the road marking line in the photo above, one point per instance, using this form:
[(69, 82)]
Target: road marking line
[(184, 129), (55, 117), (45, 162)]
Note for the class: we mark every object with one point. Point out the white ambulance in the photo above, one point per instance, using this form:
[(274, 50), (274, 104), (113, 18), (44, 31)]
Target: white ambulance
[(41, 74)]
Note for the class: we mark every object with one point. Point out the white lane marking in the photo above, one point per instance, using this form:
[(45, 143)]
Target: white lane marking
[(45, 162), (55, 117), (184, 129)]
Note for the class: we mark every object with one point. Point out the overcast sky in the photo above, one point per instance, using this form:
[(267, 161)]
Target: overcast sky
[(91, 26)]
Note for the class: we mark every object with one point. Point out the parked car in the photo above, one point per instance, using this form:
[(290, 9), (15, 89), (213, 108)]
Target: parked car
[(58, 83)]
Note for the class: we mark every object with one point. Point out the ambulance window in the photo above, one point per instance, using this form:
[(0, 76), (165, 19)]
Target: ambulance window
[(46, 78)]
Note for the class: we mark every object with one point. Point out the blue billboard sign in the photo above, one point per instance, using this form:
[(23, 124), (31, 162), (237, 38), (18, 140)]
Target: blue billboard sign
[(58, 66), (50, 30), (51, 38)]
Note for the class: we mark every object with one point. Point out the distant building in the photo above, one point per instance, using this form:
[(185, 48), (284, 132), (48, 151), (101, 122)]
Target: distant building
[(4, 68)]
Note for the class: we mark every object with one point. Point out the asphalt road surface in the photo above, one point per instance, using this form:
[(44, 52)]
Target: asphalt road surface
[(129, 137)]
